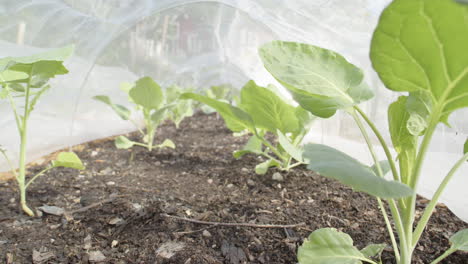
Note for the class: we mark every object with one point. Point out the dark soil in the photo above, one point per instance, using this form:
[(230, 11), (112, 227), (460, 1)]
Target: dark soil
[(199, 180)]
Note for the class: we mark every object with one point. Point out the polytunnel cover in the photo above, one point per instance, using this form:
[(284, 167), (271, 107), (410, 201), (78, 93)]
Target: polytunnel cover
[(196, 44)]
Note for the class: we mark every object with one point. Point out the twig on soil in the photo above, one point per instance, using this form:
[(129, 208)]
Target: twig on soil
[(86, 208), (231, 224)]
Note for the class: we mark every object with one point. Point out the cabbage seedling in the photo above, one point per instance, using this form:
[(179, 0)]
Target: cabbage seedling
[(148, 98), (182, 108), (419, 48), (262, 111), (24, 80)]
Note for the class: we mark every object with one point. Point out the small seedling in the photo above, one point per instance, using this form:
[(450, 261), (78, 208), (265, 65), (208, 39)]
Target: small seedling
[(222, 93), (260, 112), (182, 108), (26, 79), (149, 99), (419, 47)]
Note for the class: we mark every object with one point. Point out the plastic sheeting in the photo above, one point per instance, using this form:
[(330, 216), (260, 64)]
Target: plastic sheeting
[(196, 44)]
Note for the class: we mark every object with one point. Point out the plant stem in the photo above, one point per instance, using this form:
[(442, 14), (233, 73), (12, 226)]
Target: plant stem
[(392, 204), (36, 176), (295, 165), (430, 207), (446, 254), (384, 145), (22, 163), (271, 147)]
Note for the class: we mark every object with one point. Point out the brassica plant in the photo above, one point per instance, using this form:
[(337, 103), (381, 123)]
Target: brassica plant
[(261, 111), (419, 49), (23, 81), (149, 99), (222, 92), (181, 108)]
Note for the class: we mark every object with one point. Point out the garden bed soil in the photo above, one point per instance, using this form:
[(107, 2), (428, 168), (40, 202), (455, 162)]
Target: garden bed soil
[(123, 199)]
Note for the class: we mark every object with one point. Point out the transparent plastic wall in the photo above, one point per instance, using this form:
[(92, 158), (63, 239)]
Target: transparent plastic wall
[(196, 44)]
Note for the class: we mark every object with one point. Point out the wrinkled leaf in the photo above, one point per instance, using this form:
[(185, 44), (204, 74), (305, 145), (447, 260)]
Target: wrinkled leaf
[(122, 142), (147, 93), (167, 143), (263, 167), (384, 165), (373, 250), (236, 119), (337, 165), (68, 160), (459, 241), (121, 110), (329, 246), (420, 45), (267, 110), (253, 145), (320, 80), (295, 151)]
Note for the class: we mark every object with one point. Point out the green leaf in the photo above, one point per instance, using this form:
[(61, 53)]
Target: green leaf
[(292, 150), (460, 240), (253, 145), (320, 80), (68, 160), (236, 119), (267, 110), (159, 115), (10, 76), (420, 45), (3, 93), (38, 94), (167, 143), (403, 141), (263, 167), (384, 165), (126, 87), (36, 69), (147, 93), (121, 110), (373, 250), (329, 246), (122, 142), (337, 165), (305, 119)]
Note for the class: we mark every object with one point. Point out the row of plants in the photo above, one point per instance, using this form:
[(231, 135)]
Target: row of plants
[(417, 50)]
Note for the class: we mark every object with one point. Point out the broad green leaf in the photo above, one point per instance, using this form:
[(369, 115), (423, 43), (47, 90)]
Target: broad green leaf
[(147, 93), (267, 110), (236, 119), (263, 167), (121, 110), (167, 143), (68, 160), (320, 80), (337, 165), (420, 45), (295, 151), (384, 165), (9, 76), (38, 68), (122, 142), (253, 145), (373, 250), (460, 240), (403, 141), (60, 54), (329, 246)]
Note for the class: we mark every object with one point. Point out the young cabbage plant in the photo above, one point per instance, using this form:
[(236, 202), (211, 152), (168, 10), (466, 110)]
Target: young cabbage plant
[(418, 48), (149, 99), (182, 108), (23, 81), (223, 93), (262, 111)]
